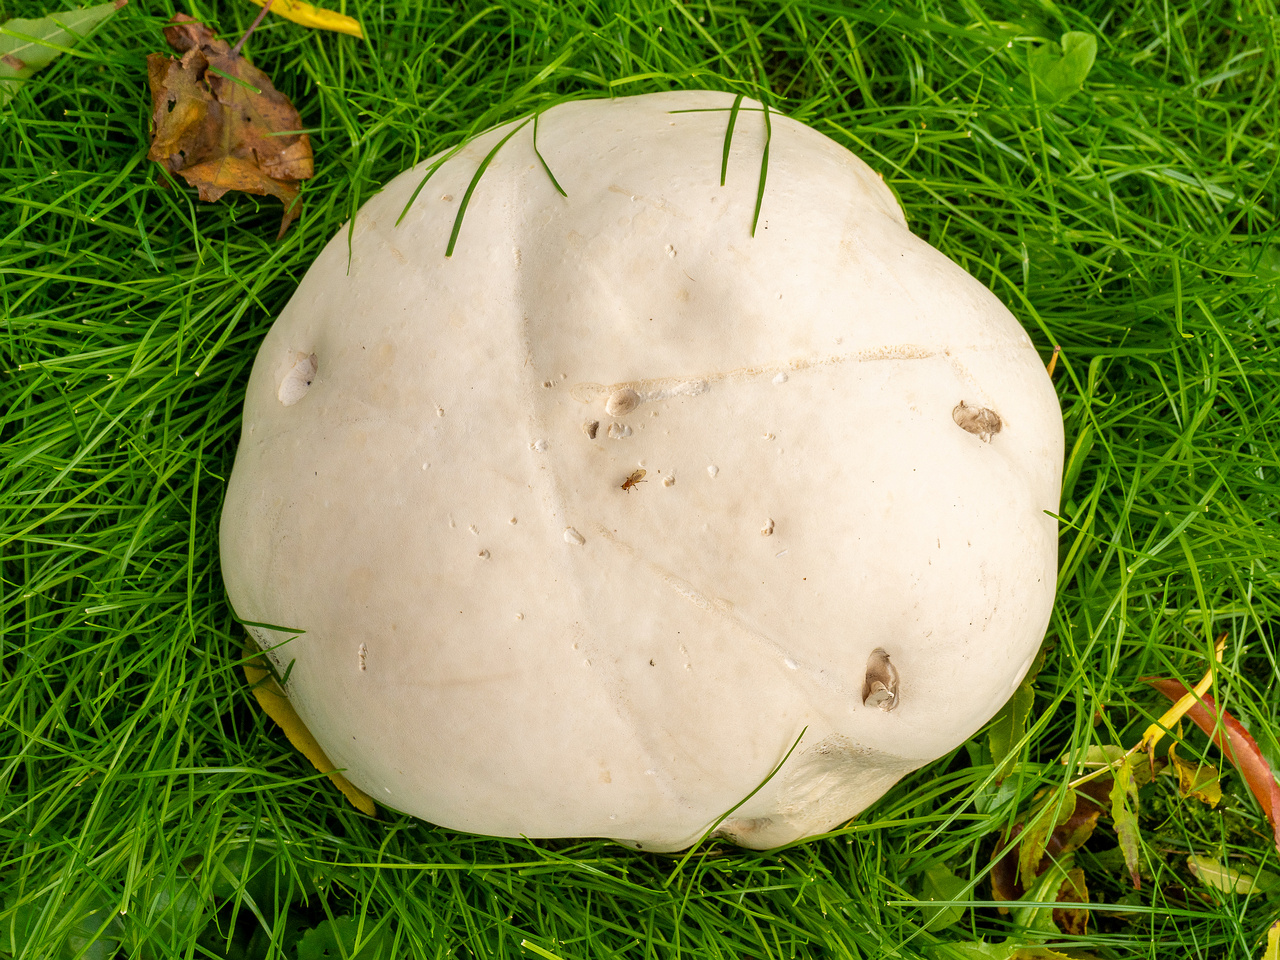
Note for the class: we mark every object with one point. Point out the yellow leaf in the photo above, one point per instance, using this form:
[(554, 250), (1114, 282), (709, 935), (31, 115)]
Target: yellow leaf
[(318, 17), (1196, 780), (1170, 717), (276, 705), (1273, 943)]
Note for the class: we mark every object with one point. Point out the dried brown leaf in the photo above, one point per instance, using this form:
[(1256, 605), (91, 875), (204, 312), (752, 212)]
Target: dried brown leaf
[(220, 123)]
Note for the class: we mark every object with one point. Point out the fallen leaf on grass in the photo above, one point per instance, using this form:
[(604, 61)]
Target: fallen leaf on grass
[(1169, 719), (1235, 741), (1214, 873), (1198, 780), (1042, 825), (1010, 949), (940, 884), (1072, 920), (310, 16), (1124, 813), (1272, 951), (1039, 848), (338, 937), (1060, 69), (1043, 839), (220, 124), (29, 45), (275, 704)]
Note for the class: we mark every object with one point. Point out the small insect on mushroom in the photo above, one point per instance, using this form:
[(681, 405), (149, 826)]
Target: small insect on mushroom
[(631, 481)]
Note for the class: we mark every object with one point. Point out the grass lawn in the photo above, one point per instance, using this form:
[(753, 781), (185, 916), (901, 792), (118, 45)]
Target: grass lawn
[(148, 809)]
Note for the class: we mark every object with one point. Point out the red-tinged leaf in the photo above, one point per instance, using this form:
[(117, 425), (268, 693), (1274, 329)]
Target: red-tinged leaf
[(1005, 887), (1067, 837), (1237, 744), (1124, 812)]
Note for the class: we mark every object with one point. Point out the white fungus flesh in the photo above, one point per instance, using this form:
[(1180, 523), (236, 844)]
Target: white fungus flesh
[(859, 545)]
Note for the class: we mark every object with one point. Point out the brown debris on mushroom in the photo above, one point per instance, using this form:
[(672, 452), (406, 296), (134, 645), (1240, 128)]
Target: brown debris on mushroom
[(880, 686), (981, 422), (621, 402)]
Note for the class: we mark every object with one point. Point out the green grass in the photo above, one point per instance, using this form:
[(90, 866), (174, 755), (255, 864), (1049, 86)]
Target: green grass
[(148, 809)]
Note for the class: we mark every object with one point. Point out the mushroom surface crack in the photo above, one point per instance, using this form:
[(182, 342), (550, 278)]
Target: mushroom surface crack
[(624, 397)]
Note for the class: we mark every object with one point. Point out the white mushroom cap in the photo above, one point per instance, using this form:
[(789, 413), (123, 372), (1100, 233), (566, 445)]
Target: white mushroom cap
[(849, 449)]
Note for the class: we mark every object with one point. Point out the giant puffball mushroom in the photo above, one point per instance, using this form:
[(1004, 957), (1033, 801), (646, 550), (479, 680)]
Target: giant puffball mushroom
[(573, 532)]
